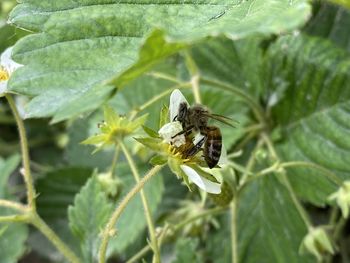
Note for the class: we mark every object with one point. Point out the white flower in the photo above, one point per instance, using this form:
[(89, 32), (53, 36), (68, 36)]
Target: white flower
[(7, 67), (168, 131)]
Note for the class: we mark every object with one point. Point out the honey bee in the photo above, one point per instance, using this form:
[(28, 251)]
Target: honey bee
[(195, 118)]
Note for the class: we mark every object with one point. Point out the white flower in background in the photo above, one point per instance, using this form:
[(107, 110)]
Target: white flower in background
[(342, 197), (7, 67), (187, 168)]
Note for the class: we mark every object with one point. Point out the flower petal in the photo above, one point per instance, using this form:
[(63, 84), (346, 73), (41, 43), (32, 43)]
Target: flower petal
[(176, 98), (223, 157), (202, 183), (169, 130), (3, 87), (7, 62)]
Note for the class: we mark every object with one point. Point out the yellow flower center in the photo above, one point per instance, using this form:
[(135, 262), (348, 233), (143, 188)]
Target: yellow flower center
[(178, 153), (4, 75)]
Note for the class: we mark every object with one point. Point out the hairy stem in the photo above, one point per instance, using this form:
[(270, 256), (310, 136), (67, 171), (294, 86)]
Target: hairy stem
[(51, 235), (25, 153), (195, 89), (148, 215), (31, 216), (330, 175), (24, 218), (14, 205), (286, 182), (158, 97), (234, 206), (115, 159), (176, 228), (107, 232), (161, 75)]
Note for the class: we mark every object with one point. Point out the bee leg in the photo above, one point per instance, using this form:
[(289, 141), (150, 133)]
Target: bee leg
[(196, 148), (183, 131)]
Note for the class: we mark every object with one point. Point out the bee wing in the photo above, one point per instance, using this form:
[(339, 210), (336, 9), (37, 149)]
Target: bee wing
[(176, 98), (223, 119)]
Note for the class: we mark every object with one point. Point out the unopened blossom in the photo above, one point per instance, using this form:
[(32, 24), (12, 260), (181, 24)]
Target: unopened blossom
[(342, 197), (317, 242)]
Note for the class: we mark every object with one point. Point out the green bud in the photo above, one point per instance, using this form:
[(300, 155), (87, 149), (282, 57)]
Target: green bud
[(342, 197), (317, 243)]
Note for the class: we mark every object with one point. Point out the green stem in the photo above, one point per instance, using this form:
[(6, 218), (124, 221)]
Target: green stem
[(115, 160), (47, 231), (234, 206), (108, 231), (176, 228), (158, 97), (25, 153), (250, 165), (195, 89), (14, 205), (15, 219), (212, 211), (148, 215), (255, 107), (164, 76), (331, 176), (338, 228), (31, 215), (286, 182)]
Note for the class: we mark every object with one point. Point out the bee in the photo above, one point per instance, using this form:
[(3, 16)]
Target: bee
[(195, 119)]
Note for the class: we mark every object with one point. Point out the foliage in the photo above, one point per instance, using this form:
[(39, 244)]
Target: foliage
[(93, 70)]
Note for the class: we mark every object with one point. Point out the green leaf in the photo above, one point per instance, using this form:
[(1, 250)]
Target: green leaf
[(215, 251), (158, 160), (331, 22), (269, 227), (6, 168), (14, 235), (77, 154), (154, 144), (88, 216), (314, 113), (57, 191), (132, 221), (164, 116), (12, 242), (238, 63), (82, 46), (150, 132), (186, 251)]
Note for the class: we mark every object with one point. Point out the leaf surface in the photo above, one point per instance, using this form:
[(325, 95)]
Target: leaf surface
[(83, 49)]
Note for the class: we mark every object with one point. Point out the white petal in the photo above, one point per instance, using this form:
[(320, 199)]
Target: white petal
[(7, 62), (176, 98), (3, 87), (201, 182), (169, 130), (223, 157)]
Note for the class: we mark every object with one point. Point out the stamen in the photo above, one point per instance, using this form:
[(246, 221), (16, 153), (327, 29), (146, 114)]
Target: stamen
[(4, 75)]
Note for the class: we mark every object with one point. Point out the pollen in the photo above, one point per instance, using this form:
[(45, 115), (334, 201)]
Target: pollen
[(4, 75)]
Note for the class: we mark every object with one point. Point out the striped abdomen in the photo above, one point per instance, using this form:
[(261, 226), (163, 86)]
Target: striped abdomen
[(212, 146)]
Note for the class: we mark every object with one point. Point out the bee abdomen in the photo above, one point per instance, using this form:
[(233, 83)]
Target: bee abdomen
[(212, 147)]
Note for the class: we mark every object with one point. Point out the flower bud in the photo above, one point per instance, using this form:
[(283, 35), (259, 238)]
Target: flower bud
[(317, 243), (342, 197)]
